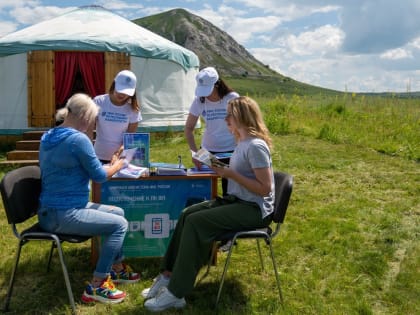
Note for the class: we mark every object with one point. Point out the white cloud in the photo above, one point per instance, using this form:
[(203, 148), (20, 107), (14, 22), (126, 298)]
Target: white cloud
[(345, 73), (376, 26), (229, 11), (416, 43), (320, 41), (31, 15), (210, 15), (244, 29), (119, 5), (287, 10), (279, 59), (7, 27), (398, 53), (18, 3), (326, 9)]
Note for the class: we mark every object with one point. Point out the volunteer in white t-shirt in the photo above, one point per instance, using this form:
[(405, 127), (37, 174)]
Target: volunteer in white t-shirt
[(119, 113), (212, 97)]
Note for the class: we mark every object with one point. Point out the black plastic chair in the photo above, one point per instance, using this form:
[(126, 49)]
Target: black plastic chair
[(20, 190), (283, 191)]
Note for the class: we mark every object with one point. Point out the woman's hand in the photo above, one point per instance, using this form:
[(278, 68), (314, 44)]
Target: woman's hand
[(225, 172), (115, 157), (261, 185), (197, 163), (114, 167), (119, 164)]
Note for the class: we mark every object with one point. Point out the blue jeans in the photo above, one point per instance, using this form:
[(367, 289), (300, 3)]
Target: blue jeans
[(93, 220)]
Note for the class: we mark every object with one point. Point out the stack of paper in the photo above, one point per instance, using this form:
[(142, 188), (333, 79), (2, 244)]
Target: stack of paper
[(203, 170), (170, 171), (131, 171)]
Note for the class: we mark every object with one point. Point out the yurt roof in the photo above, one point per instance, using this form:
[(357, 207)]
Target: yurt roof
[(94, 28)]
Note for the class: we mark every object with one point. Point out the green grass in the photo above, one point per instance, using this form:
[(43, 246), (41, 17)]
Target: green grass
[(350, 242), (386, 125)]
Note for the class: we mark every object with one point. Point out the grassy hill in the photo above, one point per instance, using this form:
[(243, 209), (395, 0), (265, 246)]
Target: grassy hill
[(273, 86), (212, 45)]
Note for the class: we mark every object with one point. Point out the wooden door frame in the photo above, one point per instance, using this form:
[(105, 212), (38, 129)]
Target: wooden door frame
[(41, 83)]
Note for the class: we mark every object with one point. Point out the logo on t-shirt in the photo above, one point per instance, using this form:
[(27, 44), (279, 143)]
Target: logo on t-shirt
[(216, 114), (115, 117)]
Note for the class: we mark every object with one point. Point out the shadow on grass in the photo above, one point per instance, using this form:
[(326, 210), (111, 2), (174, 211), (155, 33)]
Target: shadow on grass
[(37, 291), (42, 291), (232, 299)]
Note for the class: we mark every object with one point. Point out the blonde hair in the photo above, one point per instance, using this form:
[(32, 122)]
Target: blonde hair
[(247, 115), (81, 106)]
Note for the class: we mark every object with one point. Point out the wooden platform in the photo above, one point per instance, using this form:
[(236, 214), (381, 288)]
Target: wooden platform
[(26, 150)]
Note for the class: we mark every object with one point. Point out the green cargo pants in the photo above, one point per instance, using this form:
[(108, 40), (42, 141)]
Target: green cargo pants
[(198, 225)]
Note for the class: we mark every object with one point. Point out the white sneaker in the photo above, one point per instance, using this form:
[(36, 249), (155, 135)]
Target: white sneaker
[(164, 300), (226, 246), (158, 282)]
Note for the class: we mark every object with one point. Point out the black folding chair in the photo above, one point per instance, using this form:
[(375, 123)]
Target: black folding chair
[(20, 190), (283, 191)]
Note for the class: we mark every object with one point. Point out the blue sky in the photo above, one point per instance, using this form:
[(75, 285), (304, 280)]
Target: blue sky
[(346, 45)]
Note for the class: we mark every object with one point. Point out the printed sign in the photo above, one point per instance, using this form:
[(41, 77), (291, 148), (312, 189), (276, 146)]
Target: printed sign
[(152, 208), (141, 142)]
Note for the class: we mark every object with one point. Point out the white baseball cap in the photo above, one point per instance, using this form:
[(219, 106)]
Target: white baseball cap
[(125, 82), (206, 79)]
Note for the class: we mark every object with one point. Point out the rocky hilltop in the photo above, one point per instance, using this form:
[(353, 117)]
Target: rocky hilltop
[(213, 46)]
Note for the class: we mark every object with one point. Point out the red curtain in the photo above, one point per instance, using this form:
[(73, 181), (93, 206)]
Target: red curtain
[(91, 65), (68, 64), (65, 72)]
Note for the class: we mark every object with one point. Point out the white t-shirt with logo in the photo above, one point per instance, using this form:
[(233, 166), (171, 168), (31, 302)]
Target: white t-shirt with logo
[(111, 123), (216, 137)]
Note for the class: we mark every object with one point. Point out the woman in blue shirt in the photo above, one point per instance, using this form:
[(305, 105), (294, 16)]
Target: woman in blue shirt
[(68, 162)]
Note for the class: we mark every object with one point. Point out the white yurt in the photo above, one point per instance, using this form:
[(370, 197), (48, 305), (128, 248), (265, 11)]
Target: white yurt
[(81, 51)]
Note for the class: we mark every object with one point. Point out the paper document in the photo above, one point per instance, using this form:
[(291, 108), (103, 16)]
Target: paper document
[(128, 155), (207, 158), (132, 171)]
